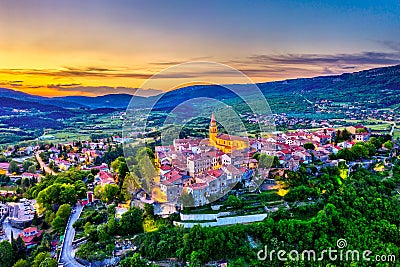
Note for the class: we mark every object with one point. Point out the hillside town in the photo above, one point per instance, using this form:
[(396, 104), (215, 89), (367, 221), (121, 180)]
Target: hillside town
[(201, 167), (199, 133), (192, 172)]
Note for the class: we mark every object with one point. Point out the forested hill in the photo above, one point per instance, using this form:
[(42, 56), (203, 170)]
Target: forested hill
[(376, 88)]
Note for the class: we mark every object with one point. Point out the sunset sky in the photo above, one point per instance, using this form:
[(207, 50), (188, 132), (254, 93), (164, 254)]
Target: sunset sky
[(96, 47)]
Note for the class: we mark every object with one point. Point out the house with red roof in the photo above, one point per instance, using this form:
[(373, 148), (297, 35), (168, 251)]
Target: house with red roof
[(172, 185), (31, 236), (104, 177)]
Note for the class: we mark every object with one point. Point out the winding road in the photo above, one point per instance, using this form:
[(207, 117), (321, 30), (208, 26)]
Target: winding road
[(43, 165), (67, 251)]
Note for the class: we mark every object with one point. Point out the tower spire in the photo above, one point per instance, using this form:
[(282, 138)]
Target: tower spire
[(213, 121), (213, 131)]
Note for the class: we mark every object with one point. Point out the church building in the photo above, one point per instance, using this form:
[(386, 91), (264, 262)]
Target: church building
[(225, 142)]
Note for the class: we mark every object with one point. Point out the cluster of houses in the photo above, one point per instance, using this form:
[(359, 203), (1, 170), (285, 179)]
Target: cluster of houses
[(84, 155), (85, 158), (290, 150), (204, 169), (353, 111)]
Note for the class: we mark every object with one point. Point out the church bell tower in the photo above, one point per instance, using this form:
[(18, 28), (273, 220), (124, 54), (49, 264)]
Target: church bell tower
[(213, 131)]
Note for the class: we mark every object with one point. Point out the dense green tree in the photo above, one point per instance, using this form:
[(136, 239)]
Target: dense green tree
[(32, 169), (90, 178), (238, 263), (309, 145), (123, 170), (22, 263), (343, 135), (26, 164), (144, 152), (116, 163), (18, 246), (256, 156), (388, 144), (58, 225), (374, 141), (13, 167), (196, 258), (233, 201), (68, 194), (134, 261), (91, 251), (110, 249), (265, 161), (131, 222), (49, 262), (148, 210), (46, 241), (60, 221), (275, 162), (64, 211), (80, 189), (145, 168), (300, 193), (6, 254), (107, 193), (112, 225), (345, 154), (111, 209), (57, 194), (49, 217), (90, 231), (25, 182), (359, 150), (102, 233), (130, 185)]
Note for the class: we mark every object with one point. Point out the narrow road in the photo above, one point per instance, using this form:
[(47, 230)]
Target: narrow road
[(392, 129), (43, 165), (67, 251)]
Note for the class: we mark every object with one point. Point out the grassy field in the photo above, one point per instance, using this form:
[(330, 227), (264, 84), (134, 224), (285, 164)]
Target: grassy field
[(7, 188), (68, 136), (380, 127), (396, 133), (93, 124)]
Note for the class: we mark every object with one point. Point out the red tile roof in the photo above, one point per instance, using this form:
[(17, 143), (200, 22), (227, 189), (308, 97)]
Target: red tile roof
[(106, 177), (215, 173), (30, 239), (198, 186)]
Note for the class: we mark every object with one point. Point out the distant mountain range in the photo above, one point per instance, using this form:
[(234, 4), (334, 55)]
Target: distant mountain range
[(114, 101), (24, 116), (117, 101), (378, 88)]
